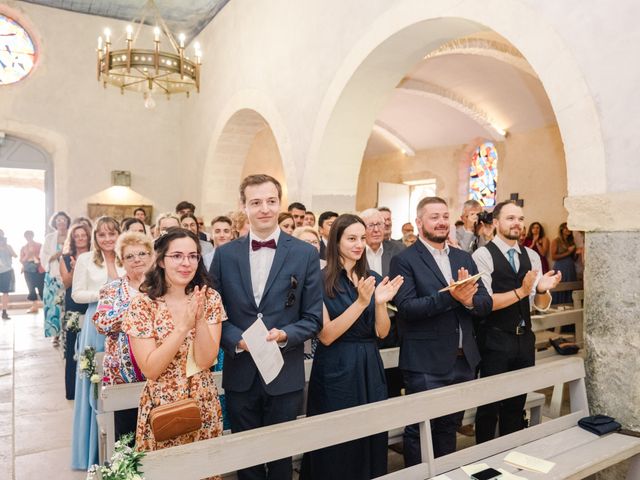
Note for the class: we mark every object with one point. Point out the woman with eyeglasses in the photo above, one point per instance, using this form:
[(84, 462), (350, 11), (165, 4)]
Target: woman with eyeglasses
[(174, 328), (93, 270), (347, 368), (190, 222), (135, 251)]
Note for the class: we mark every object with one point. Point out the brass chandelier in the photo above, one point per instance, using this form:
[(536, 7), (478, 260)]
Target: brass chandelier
[(149, 70)]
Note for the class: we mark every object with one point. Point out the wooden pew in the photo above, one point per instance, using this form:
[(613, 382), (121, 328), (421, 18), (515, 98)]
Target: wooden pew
[(122, 397), (577, 453)]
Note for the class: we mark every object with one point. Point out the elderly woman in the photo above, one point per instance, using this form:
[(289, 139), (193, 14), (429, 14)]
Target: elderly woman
[(174, 327), (135, 251), (164, 222), (50, 260)]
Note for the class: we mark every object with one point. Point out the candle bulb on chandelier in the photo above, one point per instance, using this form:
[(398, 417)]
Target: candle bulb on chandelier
[(129, 32), (107, 35), (99, 43), (156, 34), (198, 52)]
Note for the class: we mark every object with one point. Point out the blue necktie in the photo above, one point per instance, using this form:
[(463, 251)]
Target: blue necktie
[(511, 252)]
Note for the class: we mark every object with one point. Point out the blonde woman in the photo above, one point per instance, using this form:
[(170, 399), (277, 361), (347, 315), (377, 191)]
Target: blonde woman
[(93, 270), (164, 222)]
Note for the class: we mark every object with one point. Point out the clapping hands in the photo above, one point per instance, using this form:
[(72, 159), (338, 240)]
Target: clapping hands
[(387, 289), (195, 308), (464, 293)]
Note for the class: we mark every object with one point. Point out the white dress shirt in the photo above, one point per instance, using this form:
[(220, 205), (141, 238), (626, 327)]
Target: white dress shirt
[(89, 278), (484, 261), (260, 262), (374, 259)]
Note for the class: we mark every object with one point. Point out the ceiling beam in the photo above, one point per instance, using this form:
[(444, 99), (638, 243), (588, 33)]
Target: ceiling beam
[(394, 137), (485, 48), (452, 100)]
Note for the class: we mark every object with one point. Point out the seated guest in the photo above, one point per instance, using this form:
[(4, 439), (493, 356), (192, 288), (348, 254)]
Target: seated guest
[(286, 222), (78, 242), (309, 219), (221, 233), (164, 222), (133, 225), (563, 253), (347, 368), (134, 250), (176, 322), (537, 242), (93, 269), (190, 222)]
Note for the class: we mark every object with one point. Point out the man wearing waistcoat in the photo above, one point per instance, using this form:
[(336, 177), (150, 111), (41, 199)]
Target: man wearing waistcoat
[(512, 275)]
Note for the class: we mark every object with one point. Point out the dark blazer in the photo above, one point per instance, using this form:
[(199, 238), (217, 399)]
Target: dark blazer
[(390, 248), (323, 249), (427, 320), (295, 262)]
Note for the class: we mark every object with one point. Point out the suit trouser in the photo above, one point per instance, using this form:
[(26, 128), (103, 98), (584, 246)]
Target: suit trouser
[(256, 408), (443, 429), (503, 352)]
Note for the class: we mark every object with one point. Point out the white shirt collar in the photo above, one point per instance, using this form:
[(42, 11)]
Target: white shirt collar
[(504, 246), (378, 253), (435, 251)]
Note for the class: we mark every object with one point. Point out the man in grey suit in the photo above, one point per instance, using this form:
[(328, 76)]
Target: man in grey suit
[(379, 254), (271, 275)]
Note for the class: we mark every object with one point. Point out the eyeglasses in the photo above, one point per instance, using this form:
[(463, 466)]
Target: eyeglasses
[(179, 257), (139, 256), (373, 226)]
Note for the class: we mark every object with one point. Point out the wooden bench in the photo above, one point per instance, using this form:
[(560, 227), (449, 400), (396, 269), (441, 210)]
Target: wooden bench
[(122, 397), (577, 453)]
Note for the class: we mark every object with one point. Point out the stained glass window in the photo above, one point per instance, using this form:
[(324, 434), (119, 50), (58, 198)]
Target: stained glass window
[(483, 175), (17, 52)]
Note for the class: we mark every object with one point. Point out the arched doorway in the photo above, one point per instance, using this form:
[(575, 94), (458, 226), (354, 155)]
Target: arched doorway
[(399, 40), (245, 146)]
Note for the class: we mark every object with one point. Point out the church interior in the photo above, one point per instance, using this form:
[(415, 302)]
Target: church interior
[(350, 105)]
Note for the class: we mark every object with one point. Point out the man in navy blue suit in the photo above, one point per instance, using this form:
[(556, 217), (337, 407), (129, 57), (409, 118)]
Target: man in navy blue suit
[(271, 274), (437, 344)]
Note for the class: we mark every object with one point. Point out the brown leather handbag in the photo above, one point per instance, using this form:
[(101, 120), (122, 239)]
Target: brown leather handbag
[(175, 419)]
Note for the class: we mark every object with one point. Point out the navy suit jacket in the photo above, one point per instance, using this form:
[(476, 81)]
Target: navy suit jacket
[(427, 320), (300, 318)]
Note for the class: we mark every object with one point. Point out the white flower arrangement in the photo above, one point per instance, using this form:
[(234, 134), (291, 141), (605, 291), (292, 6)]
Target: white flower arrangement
[(124, 464), (72, 321), (87, 368)]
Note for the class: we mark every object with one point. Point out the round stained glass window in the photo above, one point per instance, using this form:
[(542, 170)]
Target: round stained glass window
[(17, 53)]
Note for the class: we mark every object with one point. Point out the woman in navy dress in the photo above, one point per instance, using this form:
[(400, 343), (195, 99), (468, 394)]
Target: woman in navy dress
[(347, 368)]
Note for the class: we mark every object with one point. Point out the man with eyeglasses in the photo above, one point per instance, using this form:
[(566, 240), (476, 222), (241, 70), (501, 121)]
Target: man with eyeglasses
[(271, 275), (379, 254)]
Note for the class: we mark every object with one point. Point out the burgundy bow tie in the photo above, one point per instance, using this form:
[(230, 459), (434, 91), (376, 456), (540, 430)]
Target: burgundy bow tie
[(257, 245)]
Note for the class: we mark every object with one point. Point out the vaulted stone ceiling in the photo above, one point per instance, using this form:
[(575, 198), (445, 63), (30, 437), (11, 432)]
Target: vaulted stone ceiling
[(186, 16)]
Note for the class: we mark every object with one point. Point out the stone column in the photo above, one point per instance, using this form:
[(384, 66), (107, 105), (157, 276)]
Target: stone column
[(612, 305)]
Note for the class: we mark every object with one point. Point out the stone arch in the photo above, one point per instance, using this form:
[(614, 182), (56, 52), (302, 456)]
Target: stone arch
[(404, 35), (250, 138)]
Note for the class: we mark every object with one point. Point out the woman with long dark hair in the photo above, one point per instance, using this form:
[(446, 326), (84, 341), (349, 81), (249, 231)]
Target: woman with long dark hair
[(78, 242), (174, 327), (537, 242), (347, 367)]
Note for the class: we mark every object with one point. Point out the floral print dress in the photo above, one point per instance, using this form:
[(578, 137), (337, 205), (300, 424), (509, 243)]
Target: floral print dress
[(149, 318)]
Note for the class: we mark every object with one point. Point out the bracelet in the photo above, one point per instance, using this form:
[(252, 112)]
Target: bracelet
[(517, 296)]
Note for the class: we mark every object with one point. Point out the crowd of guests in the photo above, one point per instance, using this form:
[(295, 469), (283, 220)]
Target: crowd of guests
[(168, 304)]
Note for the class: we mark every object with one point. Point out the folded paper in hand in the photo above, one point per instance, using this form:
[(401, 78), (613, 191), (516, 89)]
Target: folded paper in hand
[(266, 354)]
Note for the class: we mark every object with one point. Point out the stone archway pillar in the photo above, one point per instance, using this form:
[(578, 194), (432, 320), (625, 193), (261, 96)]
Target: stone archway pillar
[(612, 304)]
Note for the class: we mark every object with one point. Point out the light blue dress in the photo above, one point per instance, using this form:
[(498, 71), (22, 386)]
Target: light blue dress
[(84, 446)]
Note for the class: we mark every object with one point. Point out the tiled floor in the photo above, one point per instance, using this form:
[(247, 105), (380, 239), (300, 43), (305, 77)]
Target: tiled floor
[(35, 418)]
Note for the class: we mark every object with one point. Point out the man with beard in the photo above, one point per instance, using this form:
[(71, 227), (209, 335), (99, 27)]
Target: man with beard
[(437, 345), (512, 276)]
